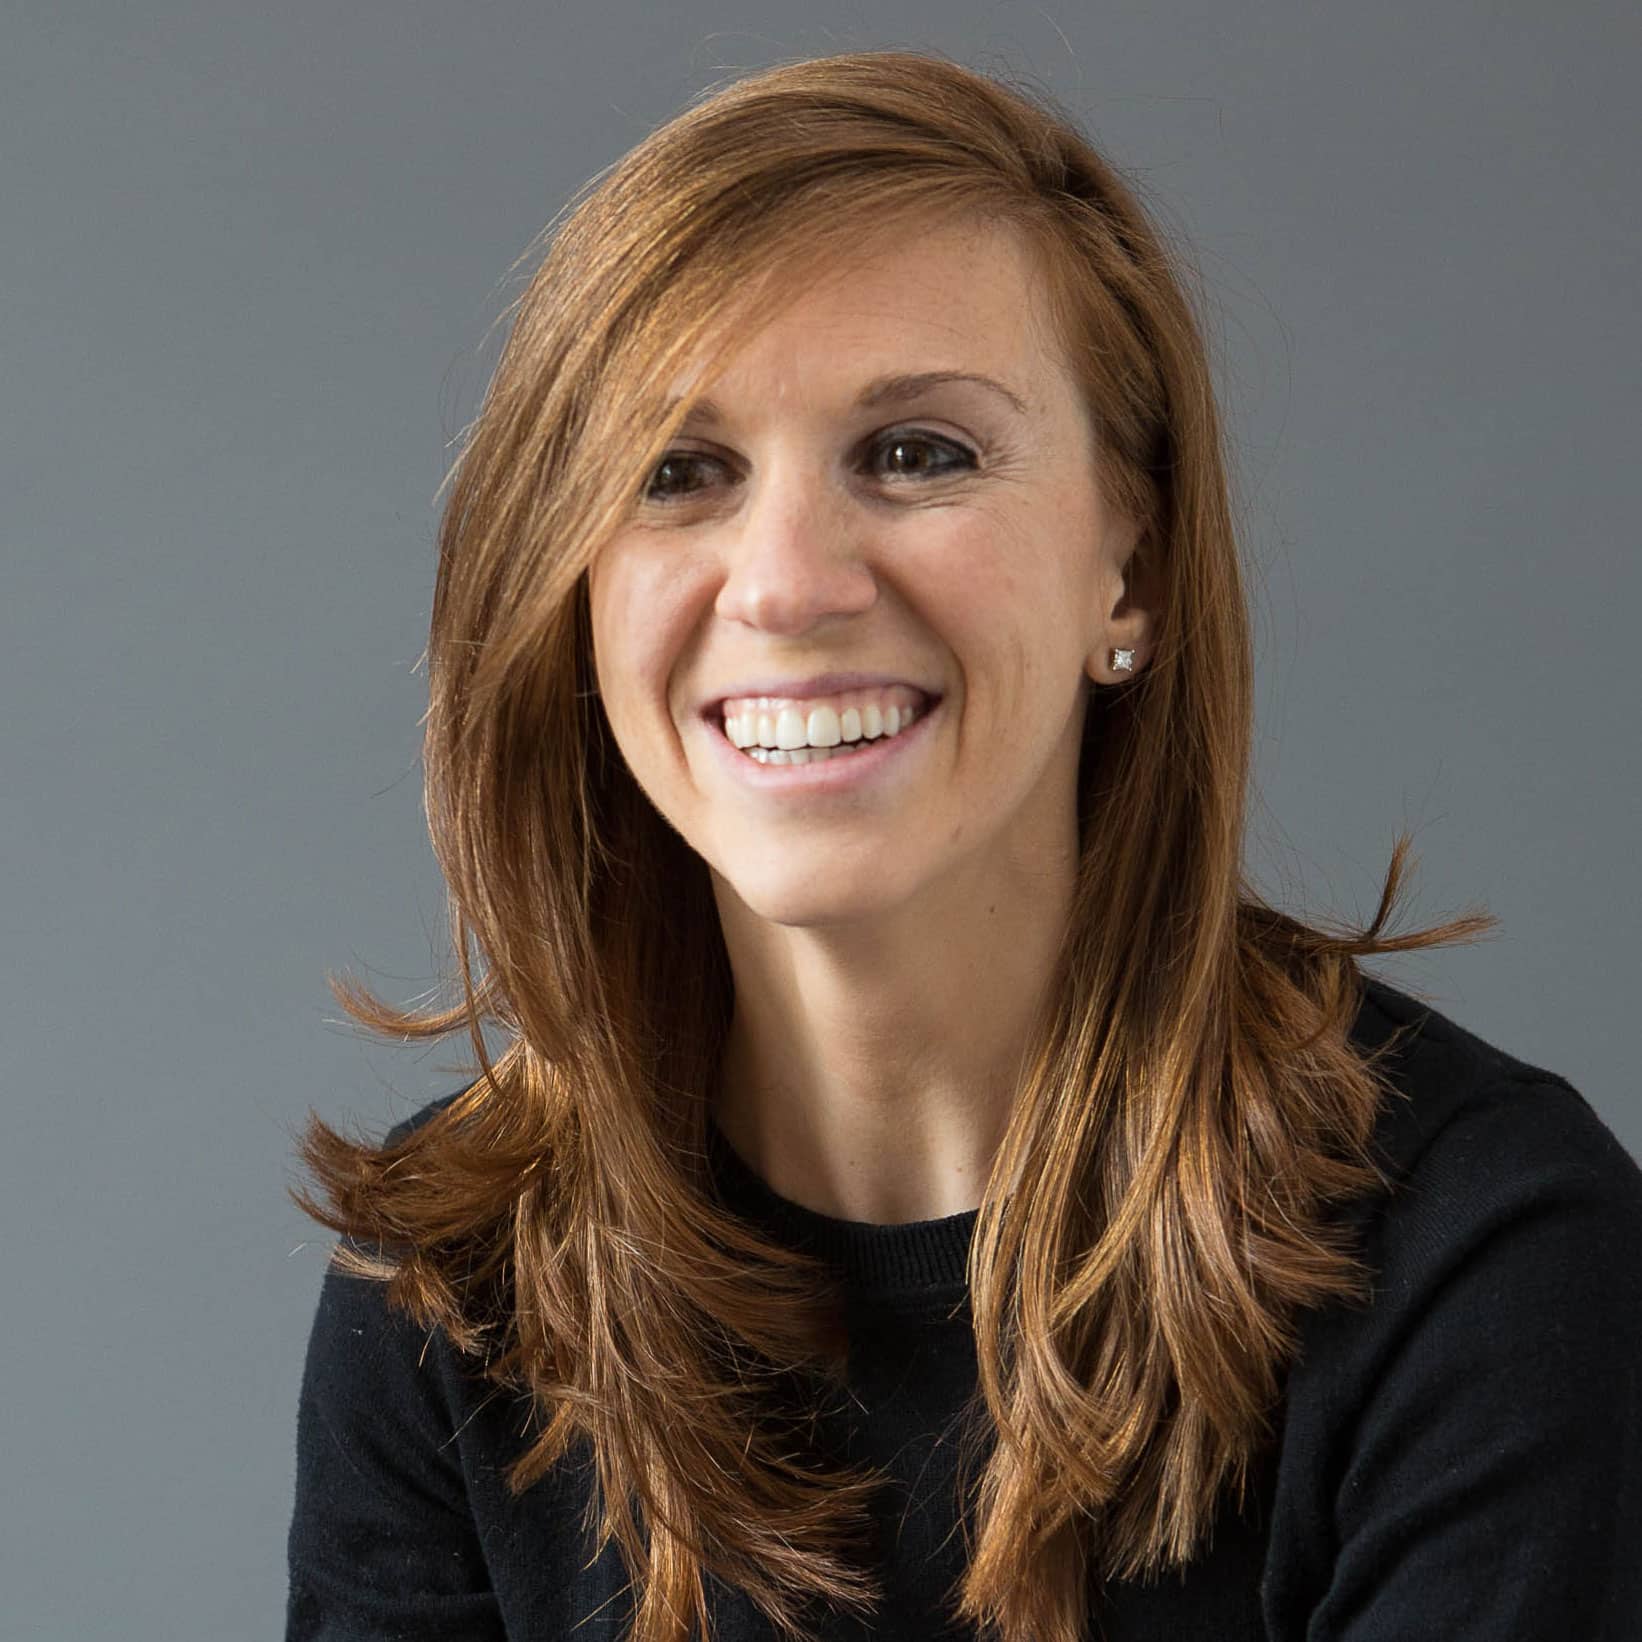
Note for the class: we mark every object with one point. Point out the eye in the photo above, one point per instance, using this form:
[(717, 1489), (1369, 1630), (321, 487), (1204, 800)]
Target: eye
[(914, 456), (675, 463), (903, 445)]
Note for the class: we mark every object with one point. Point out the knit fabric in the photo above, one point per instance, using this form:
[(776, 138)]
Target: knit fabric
[(1461, 1458)]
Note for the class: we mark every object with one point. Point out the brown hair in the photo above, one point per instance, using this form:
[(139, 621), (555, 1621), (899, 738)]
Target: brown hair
[(1194, 1108)]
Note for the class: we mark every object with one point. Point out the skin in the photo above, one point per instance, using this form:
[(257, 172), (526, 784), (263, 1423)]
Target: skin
[(889, 944)]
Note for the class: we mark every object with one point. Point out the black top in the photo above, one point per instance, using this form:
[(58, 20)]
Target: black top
[(1462, 1459)]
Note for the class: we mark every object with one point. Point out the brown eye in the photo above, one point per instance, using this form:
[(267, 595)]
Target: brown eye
[(664, 482), (682, 473), (916, 456)]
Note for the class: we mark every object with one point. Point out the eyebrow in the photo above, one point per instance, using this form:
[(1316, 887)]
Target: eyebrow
[(889, 390)]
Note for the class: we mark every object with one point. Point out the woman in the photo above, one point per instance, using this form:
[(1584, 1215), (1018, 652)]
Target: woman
[(923, 1190)]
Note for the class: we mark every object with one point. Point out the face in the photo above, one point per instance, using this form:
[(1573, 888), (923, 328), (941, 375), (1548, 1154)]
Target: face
[(949, 536)]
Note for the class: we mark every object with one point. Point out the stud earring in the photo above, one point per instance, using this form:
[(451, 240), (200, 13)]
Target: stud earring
[(1123, 661)]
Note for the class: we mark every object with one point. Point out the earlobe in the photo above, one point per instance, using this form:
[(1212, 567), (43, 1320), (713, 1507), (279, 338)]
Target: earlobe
[(1126, 627), (1114, 664)]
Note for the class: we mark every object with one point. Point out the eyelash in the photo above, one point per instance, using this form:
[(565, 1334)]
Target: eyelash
[(965, 462)]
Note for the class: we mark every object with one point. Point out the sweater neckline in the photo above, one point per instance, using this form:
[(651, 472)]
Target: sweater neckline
[(915, 1257)]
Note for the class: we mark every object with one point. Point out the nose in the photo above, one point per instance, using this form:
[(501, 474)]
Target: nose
[(793, 554)]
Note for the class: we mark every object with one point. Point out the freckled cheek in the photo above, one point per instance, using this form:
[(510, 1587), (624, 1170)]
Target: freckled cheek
[(652, 629), (619, 662), (1017, 649), (989, 598)]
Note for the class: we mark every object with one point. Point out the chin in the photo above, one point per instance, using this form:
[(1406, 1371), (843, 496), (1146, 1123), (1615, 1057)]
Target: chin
[(805, 900)]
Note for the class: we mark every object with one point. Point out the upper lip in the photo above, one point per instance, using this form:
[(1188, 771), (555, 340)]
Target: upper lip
[(818, 684)]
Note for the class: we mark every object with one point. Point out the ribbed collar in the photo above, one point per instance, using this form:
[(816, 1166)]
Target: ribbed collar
[(919, 1257), (922, 1257)]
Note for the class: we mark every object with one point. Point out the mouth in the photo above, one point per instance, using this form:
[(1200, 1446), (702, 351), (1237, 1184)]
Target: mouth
[(924, 701), (881, 744), (860, 729)]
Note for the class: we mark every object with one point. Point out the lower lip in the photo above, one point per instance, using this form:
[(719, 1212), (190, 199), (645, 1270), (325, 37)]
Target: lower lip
[(832, 774)]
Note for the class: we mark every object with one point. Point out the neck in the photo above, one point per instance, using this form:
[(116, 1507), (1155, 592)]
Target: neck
[(869, 1072)]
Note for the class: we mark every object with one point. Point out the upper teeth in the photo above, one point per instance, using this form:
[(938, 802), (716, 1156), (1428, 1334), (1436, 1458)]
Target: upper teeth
[(787, 727)]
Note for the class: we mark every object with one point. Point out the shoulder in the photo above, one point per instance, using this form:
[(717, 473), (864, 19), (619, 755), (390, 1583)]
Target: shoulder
[(1471, 1129), (393, 1426), (422, 1116), (1462, 1450), (1509, 1225), (366, 1351)]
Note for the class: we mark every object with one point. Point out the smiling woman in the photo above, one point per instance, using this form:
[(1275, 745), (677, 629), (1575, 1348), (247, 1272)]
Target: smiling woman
[(986, 587), (924, 1191)]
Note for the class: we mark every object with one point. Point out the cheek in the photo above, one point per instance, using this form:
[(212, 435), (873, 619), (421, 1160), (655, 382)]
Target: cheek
[(1007, 594), (618, 598), (603, 593), (641, 614)]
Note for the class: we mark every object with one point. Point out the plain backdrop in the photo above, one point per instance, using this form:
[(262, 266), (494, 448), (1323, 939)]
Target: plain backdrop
[(251, 261)]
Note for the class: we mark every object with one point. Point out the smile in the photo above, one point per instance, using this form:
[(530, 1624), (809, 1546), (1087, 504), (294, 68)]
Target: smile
[(784, 733), (780, 758)]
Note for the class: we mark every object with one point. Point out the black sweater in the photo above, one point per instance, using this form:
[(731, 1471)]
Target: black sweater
[(1460, 1460)]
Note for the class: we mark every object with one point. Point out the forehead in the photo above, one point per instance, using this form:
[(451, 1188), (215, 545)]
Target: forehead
[(914, 309)]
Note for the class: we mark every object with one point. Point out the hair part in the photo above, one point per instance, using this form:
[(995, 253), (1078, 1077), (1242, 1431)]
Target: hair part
[(1162, 1202)]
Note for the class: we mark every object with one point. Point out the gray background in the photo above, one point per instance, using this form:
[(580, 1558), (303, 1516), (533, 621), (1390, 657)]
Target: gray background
[(250, 263)]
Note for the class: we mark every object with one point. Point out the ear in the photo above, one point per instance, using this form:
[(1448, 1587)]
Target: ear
[(1128, 606)]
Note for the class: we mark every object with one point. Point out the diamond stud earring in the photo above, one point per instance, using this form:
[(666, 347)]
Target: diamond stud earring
[(1123, 661)]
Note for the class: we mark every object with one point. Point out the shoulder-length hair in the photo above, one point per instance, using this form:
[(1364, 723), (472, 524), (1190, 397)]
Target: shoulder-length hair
[(1193, 1108)]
